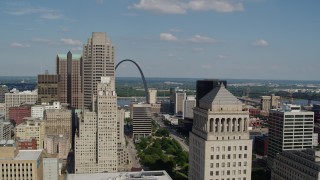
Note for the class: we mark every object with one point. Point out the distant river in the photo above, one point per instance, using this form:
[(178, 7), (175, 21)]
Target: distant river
[(122, 101), (301, 102)]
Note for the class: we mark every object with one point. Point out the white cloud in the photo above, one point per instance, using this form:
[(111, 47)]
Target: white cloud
[(100, 1), (182, 6), (260, 43), (19, 45), (46, 41), (220, 56), (161, 6), (71, 42), (201, 39), (168, 37), (175, 30), (197, 49), (30, 10), (51, 16), (76, 49)]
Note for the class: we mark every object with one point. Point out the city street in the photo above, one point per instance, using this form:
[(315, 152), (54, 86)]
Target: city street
[(133, 155)]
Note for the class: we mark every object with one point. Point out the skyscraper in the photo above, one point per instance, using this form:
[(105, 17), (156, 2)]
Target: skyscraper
[(220, 147), (96, 143), (69, 70), (141, 120), (47, 88), (98, 61), (290, 128)]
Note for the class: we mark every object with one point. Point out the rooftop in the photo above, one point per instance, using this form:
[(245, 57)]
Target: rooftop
[(74, 56), (144, 175), (28, 155)]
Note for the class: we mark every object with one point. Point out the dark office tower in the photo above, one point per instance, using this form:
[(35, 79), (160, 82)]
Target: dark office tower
[(98, 61), (206, 85), (47, 88), (69, 71), (3, 89)]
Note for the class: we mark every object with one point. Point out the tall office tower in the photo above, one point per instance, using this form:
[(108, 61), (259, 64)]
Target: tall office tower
[(16, 98), (206, 85), (69, 70), (22, 164), (172, 100), (275, 102), (152, 95), (298, 165), (31, 129), (47, 88), (290, 128), (180, 97), (123, 155), (98, 61), (141, 120), (3, 89), (96, 142), (220, 147), (265, 103), (189, 104)]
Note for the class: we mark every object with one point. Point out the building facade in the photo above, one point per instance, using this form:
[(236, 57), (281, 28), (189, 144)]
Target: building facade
[(69, 71), (189, 104), (180, 98), (219, 144), (16, 98), (17, 114), (152, 95), (290, 128), (96, 143), (141, 120), (22, 164), (47, 88), (297, 165), (31, 129), (98, 61), (6, 128)]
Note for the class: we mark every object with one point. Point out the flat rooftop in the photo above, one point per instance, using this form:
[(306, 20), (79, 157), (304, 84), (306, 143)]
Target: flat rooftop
[(143, 175), (28, 155)]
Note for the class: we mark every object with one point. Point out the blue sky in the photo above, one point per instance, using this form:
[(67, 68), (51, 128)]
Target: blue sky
[(239, 39)]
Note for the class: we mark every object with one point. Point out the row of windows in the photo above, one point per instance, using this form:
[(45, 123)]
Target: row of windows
[(234, 148), (228, 156)]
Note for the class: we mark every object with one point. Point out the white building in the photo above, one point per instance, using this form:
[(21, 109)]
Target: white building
[(16, 98), (290, 128), (189, 104), (50, 168), (297, 165), (152, 95), (37, 111), (220, 147), (31, 129), (96, 142)]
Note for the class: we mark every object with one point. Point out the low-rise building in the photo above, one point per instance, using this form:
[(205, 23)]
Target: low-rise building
[(23, 164), (25, 144), (31, 128), (6, 129), (17, 114)]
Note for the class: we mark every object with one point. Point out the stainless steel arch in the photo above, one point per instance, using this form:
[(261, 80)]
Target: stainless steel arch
[(142, 76)]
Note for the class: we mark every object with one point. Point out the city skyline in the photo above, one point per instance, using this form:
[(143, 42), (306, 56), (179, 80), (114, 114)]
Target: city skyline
[(262, 39)]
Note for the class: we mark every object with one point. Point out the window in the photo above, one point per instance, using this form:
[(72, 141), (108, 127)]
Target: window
[(217, 173), (217, 165), (211, 165), (212, 157), (245, 163), (245, 155), (245, 147), (217, 157), (229, 148)]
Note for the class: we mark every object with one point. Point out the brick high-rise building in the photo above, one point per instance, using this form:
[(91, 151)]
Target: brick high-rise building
[(98, 61), (69, 71)]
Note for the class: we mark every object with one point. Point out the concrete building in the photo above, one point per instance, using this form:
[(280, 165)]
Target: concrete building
[(265, 103), (6, 128), (141, 120), (31, 129), (297, 165), (47, 88), (275, 102), (219, 144), (189, 104), (22, 164), (3, 90), (69, 70), (152, 95), (290, 128), (59, 145), (180, 98), (96, 143), (37, 111), (2, 109), (16, 98), (144, 175), (58, 122), (50, 168), (17, 114), (98, 61)]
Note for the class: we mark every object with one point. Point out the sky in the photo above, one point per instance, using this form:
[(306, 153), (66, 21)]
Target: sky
[(232, 39)]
